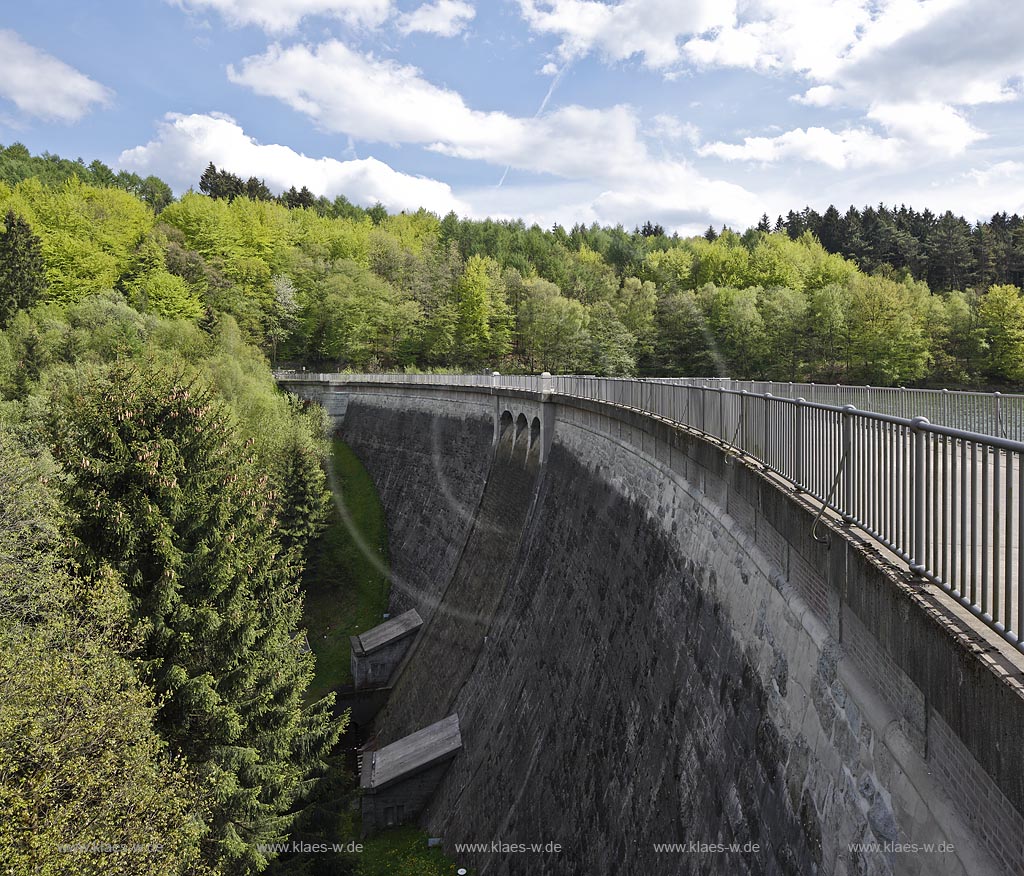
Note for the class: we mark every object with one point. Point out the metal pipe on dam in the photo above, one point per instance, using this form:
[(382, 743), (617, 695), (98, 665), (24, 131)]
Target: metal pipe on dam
[(657, 668)]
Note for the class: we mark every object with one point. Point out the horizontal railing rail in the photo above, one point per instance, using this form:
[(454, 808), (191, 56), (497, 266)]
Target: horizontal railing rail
[(989, 413), (946, 500)]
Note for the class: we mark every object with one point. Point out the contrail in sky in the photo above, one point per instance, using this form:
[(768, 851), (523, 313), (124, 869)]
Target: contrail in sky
[(542, 107)]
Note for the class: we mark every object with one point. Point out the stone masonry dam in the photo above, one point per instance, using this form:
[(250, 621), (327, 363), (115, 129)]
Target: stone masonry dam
[(646, 645)]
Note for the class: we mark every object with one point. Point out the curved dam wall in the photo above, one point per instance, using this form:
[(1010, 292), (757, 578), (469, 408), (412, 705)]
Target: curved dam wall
[(666, 655), (430, 472)]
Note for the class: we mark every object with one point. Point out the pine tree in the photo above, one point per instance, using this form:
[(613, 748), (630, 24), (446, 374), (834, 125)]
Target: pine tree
[(164, 492), (221, 183), (256, 190), (22, 280), (208, 181)]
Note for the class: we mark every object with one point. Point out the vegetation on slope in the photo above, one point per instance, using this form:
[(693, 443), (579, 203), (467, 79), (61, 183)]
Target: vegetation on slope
[(346, 580), (189, 489)]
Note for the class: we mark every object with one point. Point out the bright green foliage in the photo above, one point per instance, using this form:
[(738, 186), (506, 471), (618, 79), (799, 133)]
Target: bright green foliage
[(553, 328), (589, 277), (165, 491), (634, 305), (887, 343), (346, 580), (771, 263), (22, 281), (829, 329), (1001, 320), (361, 320), (611, 342), (670, 270), (724, 262), (89, 235), (80, 764), (334, 285), (784, 312), (472, 327), (96, 240), (482, 315), (819, 267), (737, 327), (166, 295)]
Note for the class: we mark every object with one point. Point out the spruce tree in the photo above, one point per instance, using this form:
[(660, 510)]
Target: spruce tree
[(22, 280), (165, 492), (80, 763)]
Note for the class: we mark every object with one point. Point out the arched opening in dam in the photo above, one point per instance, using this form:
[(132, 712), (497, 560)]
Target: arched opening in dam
[(654, 666)]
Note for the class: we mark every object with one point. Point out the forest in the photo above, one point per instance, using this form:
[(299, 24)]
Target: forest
[(159, 497), (876, 295)]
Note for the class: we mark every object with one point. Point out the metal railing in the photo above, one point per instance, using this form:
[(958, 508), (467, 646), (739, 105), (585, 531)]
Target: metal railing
[(947, 501), (990, 413)]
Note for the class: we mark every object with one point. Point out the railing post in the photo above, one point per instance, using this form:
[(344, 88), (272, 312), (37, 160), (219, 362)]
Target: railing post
[(920, 473), (847, 506), (741, 428), (545, 383), (798, 445), (721, 413), (494, 377), (945, 407), (765, 455), (997, 396)]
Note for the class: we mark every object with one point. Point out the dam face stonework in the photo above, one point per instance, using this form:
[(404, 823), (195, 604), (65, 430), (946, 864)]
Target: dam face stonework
[(665, 655)]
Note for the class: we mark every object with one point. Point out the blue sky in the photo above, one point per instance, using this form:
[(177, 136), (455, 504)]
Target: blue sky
[(684, 112)]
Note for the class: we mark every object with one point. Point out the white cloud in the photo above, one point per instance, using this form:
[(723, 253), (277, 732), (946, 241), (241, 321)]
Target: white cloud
[(280, 16), (650, 28), (809, 38), (819, 95), (40, 85), (549, 69), (1000, 172), (603, 167), (671, 193), (853, 147), (384, 101), (669, 127), (976, 194), (922, 130), (909, 65), (446, 18), (933, 126), (185, 144), (960, 53)]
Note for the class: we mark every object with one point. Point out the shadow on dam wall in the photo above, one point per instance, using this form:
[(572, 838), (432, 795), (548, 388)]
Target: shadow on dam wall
[(645, 646), (613, 710), (446, 649)]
